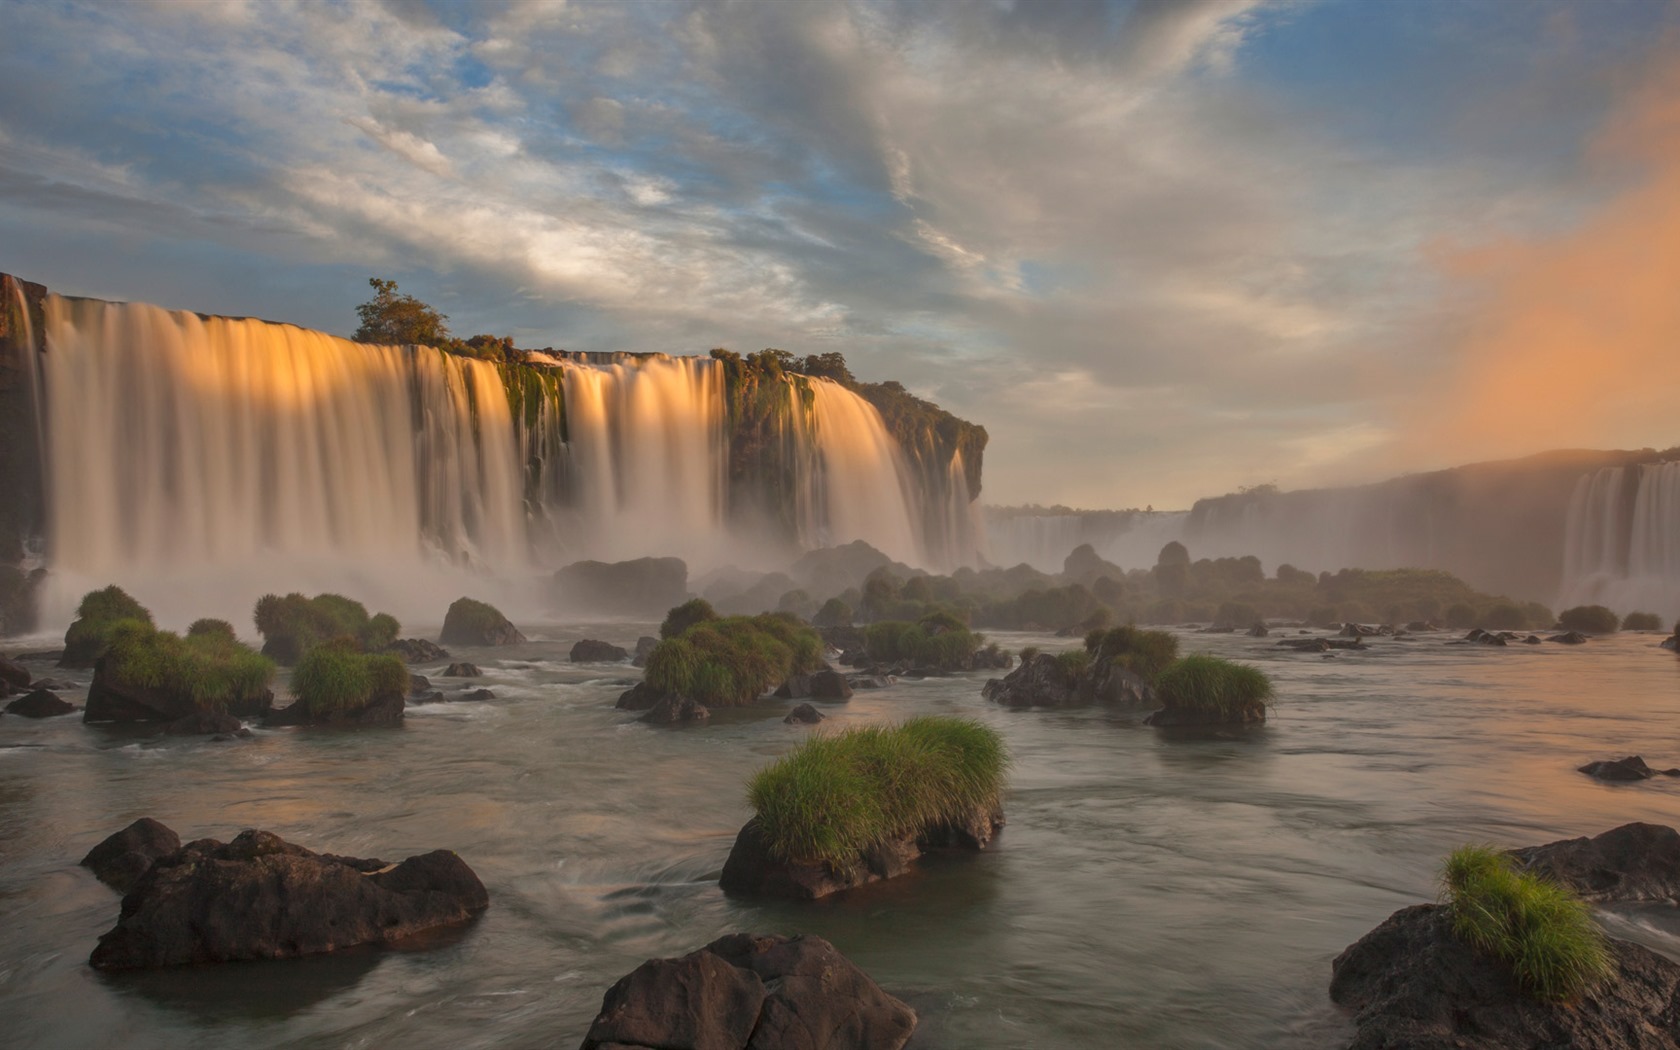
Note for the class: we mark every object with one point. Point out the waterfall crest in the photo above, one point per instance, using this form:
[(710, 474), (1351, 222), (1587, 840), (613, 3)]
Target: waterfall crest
[(1622, 547)]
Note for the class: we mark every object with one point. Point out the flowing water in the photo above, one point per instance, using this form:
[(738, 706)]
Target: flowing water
[(1148, 891)]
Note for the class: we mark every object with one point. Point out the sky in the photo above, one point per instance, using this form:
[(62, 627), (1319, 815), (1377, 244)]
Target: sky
[(1160, 250)]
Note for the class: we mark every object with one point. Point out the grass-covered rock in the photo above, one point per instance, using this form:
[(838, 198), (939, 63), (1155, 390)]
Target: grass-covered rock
[(337, 684), (1589, 619), (1209, 690), (732, 661), (1641, 621), (148, 675), (294, 624), (97, 615), (680, 618), (848, 808), (939, 641), (471, 622)]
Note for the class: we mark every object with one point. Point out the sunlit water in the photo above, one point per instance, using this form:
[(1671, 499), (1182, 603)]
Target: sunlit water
[(1148, 891)]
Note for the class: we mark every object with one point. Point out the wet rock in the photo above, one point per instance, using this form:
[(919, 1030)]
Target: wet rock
[(1363, 630), (470, 622), (379, 712), (417, 650), (1258, 630), (1671, 644), (1630, 768), (112, 701), (639, 697), (745, 990), (206, 723), (1043, 681), (418, 685), (797, 687), (1415, 986), (462, 670), (1532, 639), (14, 674), (1635, 862), (123, 857), (478, 696), (1569, 638), (1306, 645), (41, 703), (875, 681), (1172, 718), (675, 709), (590, 651), (830, 686), (804, 714), (259, 897), (57, 685), (644, 649)]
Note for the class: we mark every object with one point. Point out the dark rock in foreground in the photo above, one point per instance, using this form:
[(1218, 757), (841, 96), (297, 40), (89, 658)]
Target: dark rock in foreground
[(639, 697), (1415, 986), (1630, 768), (41, 703), (1043, 681), (590, 651), (462, 670), (674, 709), (122, 858), (830, 686), (745, 990), (259, 897), (112, 701), (417, 650), (13, 674), (804, 714), (1635, 862)]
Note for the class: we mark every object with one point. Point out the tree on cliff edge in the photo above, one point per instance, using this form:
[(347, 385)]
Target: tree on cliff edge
[(394, 319)]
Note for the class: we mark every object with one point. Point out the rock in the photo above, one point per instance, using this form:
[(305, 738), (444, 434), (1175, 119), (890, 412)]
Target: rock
[(14, 674), (381, 711), (42, 703), (745, 990), (644, 648), (1259, 630), (1346, 643), (876, 681), (1630, 768), (1169, 718), (1042, 681), (419, 685), (797, 687), (804, 714), (830, 686), (206, 723), (112, 701), (1635, 862), (1671, 644), (1306, 645), (639, 697), (1532, 639), (1415, 986), (674, 709), (1569, 638), (55, 684), (122, 858), (470, 622), (644, 587), (590, 651), (462, 670), (259, 897), (417, 650), (1360, 630)]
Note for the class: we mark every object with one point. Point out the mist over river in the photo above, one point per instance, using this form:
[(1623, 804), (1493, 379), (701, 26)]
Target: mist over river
[(1148, 891)]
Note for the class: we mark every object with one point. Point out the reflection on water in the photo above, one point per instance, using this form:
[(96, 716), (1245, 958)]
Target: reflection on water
[(1149, 890)]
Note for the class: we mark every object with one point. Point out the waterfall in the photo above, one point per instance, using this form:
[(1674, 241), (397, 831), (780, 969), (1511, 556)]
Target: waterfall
[(860, 484), (1622, 546)]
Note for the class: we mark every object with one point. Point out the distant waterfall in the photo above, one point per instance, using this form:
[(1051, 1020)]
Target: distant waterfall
[(202, 461), (1623, 541), (1129, 539)]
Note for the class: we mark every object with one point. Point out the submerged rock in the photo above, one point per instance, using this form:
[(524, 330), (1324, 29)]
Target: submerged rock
[(590, 651), (644, 649), (1569, 638), (1306, 645), (1415, 986), (1635, 862), (1630, 768), (259, 897), (639, 697), (41, 703), (206, 723), (804, 714), (381, 711), (674, 709), (830, 686), (123, 857), (417, 650), (462, 670), (745, 990)]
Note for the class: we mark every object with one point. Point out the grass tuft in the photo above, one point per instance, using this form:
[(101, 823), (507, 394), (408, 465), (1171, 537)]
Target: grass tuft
[(335, 679), (1215, 688), (295, 624), (939, 640), (210, 668), (99, 612), (1542, 930), (732, 661), (1144, 653), (686, 615), (837, 796)]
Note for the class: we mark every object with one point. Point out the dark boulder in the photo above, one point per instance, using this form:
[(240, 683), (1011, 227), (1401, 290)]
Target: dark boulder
[(1175, 717), (417, 650), (804, 714), (639, 697), (1569, 638), (122, 858), (1259, 630), (750, 991), (470, 622), (874, 681), (1672, 644), (462, 671), (1532, 639), (1362, 630), (419, 685), (1635, 862), (675, 709), (1630, 768), (1043, 681), (478, 696), (55, 684), (644, 649), (1306, 645), (13, 674), (206, 723), (797, 687), (641, 587), (259, 897), (590, 651), (381, 711), (112, 701), (41, 703), (1413, 985), (830, 686)]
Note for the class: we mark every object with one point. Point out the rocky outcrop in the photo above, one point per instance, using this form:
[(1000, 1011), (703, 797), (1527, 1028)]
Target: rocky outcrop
[(676, 709), (41, 703), (797, 687), (804, 714), (417, 651), (645, 587), (123, 857), (110, 700), (1635, 862), (13, 674), (639, 697), (746, 990), (753, 871), (1042, 681), (380, 712), (590, 651), (470, 622), (1630, 768), (830, 686), (1413, 985), (206, 723), (259, 897), (462, 671)]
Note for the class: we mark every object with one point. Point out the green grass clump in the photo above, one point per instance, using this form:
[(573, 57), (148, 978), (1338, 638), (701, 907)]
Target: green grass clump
[(209, 628), (1214, 687), (837, 796), (1590, 619), (1542, 930), (295, 624), (99, 612), (939, 640), (1073, 662), (686, 615), (336, 679), (1144, 653), (732, 661), (209, 668), (1641, 621)]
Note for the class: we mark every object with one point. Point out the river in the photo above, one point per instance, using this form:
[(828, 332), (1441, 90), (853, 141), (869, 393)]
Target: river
[(1148, 891)]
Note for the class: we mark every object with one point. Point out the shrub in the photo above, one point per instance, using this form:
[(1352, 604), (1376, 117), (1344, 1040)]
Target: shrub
[(335, 678), (1144, 653), (834, 613), (1641, 621), (1214, 687), (837, 796), (1073, 662), (1460, 614), (1237, 614), (1589, 619), (381, 630), (99, 612), (732, 661), (295, 624), (209, 668), (686, 615), (1540, 929), (208, 628), (931, 642), (1029, 654)]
